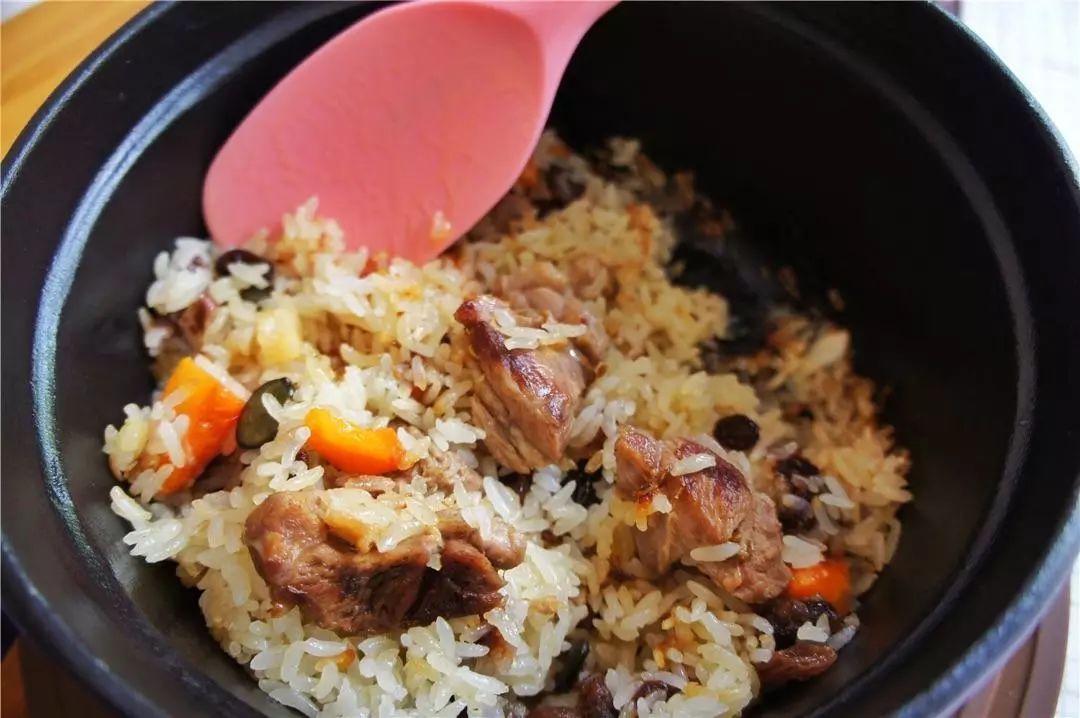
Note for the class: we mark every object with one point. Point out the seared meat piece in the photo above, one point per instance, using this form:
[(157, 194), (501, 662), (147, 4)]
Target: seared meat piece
[(466, 584), (443, 470), (543, 289), (802, 661), (345, 589), (505, 547), (337, 588), (530, 396), (709, 507), (759, 572)]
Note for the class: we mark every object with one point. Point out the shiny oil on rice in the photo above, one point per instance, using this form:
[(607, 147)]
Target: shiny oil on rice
[(375, 340)]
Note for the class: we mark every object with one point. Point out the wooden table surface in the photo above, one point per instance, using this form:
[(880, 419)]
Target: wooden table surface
[(38, 49), (41, 46)]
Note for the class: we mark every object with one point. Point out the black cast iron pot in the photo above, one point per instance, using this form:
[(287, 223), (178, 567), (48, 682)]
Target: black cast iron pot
[(877, 148)]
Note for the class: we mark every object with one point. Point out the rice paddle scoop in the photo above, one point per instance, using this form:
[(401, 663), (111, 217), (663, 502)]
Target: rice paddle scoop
[(408, 126)]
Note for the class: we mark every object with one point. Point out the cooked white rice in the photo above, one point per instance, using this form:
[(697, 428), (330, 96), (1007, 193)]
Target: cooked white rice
[(376, 342)]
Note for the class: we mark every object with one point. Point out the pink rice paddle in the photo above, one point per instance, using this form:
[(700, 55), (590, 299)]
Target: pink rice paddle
[(408, 126)]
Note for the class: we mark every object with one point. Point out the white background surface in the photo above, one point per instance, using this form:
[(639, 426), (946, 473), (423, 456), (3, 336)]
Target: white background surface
[(1040, 42)]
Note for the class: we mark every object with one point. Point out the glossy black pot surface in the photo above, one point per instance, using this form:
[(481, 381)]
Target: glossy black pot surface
[(876, 148)]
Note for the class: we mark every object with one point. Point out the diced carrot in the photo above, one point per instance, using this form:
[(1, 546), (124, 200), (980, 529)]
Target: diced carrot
[(353, 448), (212, 410), (830, 580)]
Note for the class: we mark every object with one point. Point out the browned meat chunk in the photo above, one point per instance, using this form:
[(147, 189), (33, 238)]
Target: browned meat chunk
[(709, 507), (505, 547), (543, 289), (594, 701), (530, 396), (466, 584), (443, 470), (802, 661), (335, 587), (345, 589), (759, 573)]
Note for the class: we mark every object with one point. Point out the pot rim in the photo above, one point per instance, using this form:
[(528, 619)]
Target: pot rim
[(32, 609)]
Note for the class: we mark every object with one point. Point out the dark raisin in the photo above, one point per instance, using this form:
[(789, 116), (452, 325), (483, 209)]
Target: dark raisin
[(191, 321), (255, 294), (594, 698), (520, 483), (585, 487), (797, 466), (737, 432), (795, 516), (800, 476), (572, 663), (819, 607), (787, 614), (242, 256), (256, 426)]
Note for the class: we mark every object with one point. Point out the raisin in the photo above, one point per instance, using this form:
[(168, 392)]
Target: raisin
[(787, 614), (585, 488), (520, 483), (797, 466), (594, 698), (819, 607), (737, 432), (572, 663), (795, 516), (800, 476), (242, 256)]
